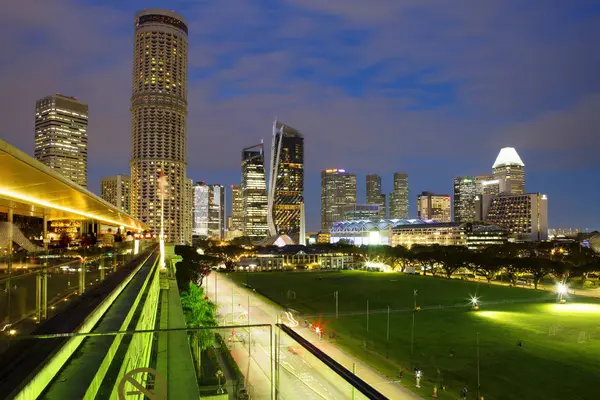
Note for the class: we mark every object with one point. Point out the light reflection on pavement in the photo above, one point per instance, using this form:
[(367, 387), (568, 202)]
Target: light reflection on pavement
[(302, 376)]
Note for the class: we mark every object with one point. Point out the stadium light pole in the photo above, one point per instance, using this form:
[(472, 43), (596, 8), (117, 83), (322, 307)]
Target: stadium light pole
[(367, 315), (478, 381), (336, 303)]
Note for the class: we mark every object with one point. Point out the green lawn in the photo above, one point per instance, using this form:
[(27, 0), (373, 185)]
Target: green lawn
[(559, 357)]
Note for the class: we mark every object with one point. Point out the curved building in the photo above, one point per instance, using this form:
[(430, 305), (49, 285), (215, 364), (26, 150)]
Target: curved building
[(286, 182), (159, 112), (509, 169)]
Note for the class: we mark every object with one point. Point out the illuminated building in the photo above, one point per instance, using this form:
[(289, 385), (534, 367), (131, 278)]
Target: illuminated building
[(286, 182), (465, 191), (209, 211), (237, 208), (433, 206), (399, 197), (509, 168), (235, 221), (61, 140), (480, 235), (254, 193), (374, 195), (411, 232), (159, 113), (338, 189), (292, 257), (361, 212), (116, 190), (524, 216)]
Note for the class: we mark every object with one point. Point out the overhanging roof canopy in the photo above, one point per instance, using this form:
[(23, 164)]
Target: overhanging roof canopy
[(33, 189)]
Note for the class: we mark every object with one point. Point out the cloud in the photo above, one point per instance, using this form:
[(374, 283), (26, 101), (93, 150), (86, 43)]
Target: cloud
[(565, 138)]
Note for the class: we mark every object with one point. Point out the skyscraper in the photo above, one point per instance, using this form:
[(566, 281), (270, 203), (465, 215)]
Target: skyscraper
[(237, 208), (338, 189), (510, 169), (433, 206), (159, 112), (374, 195), (254, 193), (209, 211), (399, 197), (465, 192), (61, 140), (116, 190), (286, 181)]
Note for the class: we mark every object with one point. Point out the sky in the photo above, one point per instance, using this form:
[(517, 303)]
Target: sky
[(431, 88)]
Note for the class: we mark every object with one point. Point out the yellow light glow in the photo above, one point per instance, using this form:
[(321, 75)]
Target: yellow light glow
[(575, 308), (29, 199), (12, 332)]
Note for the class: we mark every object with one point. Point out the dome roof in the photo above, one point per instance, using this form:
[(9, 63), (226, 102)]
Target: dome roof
[(508, 156)]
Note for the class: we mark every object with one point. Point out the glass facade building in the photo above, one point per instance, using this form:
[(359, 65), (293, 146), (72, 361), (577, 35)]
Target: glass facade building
[(61, 140), (254, 193), (374, 195), (465, 191), (338, 189), (209, 211), (286, 182), (399, 202), (237, 209)]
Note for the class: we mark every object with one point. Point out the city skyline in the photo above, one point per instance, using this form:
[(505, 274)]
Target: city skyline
[(551, 126)]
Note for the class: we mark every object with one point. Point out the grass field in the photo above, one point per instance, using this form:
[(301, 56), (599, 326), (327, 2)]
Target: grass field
[(559, 357)]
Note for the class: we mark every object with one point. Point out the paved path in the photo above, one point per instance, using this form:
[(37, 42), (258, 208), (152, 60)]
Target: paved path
[(302, 376)]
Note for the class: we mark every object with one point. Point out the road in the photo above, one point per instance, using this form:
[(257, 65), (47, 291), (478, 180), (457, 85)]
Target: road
[(301, 375)]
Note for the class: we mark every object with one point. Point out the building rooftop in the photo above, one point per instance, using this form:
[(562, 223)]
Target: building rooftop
[(508, 156)]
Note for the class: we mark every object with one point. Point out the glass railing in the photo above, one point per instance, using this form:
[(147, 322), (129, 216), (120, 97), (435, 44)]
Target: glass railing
[(234, 362), (35, 286)]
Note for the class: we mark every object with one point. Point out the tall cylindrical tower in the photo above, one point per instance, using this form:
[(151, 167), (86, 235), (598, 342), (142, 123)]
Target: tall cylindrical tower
[(158, 119)]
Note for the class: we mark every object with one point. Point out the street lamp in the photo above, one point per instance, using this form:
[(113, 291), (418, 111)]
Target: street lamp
[(475, 303), (562, 289)]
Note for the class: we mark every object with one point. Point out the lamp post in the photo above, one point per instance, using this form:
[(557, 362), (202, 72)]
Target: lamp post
[(162, 184), (475, 303), (562, 289)]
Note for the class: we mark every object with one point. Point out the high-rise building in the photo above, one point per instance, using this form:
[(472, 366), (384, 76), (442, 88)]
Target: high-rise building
[(510, 171), (188, 210), (374, 195), (237, 208), (361, 212), (286, 181), (338, 189), (399, 197), (159, 113), (209, 211), (465, 191), (433, 206), (116, 190), (254, 193), (525, 216), (61, 140)]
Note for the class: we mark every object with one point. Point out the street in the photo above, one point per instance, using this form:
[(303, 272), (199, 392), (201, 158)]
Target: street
[(301, 375)]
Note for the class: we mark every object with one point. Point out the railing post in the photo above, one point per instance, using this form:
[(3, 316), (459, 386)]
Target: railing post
[(81, 277), (38, 297), (44, 290)]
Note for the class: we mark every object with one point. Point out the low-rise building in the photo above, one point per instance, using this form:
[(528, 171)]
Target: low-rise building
[(293, 257)]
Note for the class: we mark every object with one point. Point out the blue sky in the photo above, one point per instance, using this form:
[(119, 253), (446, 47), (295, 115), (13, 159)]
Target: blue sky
[(432, 88)]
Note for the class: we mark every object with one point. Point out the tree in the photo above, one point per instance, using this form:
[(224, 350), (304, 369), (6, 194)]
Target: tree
[(198, 312), (539, 268), (484, 263)]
